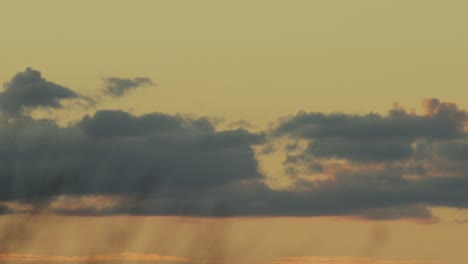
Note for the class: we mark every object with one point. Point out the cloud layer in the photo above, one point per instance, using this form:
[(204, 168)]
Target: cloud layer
[(370, 166)]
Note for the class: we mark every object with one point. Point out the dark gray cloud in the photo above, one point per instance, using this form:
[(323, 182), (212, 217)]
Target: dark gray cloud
[(28, 89), (360, 150), (373, 137), (5, 210), (415, 211), (387, 201), (391, 166), (446, 121), (173, 165), (120, 86), (373, 196), (117, 153), (112, 123), (456, 150)]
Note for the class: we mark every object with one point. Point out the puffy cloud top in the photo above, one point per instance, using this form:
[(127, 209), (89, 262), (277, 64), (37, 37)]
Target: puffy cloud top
[(28, 89), (370, 166)]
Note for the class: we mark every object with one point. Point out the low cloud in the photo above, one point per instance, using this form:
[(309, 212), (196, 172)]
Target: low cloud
[(114, 152), (374, 137), (416, 211), (377, 167), (5, 210)]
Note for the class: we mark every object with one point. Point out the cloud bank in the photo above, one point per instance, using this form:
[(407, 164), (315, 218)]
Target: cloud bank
[(378, 167)]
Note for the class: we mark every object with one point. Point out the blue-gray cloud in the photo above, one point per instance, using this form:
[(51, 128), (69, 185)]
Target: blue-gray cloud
[(120, 86), (165, 164), (28, 89)]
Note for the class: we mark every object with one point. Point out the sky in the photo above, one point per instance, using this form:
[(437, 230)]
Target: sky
[(254, 132)]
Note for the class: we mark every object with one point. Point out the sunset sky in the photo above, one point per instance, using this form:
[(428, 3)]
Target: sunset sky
[(240, 132)]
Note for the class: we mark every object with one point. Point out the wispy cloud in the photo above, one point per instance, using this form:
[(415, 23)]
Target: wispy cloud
[(120, 86)]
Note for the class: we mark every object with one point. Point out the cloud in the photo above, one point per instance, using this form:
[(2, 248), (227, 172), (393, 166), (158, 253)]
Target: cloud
[(445, 121), (360, 150), (159, 164), (413, 211), (456, 150), (117, 153), (380, 167), (5, 210), (116, 123), (120, 86), (373, 137), (380, 199), (28, 90), (126, 256), (377, 167)]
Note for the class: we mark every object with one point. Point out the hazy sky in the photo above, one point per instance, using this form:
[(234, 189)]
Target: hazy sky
[(326, 132)]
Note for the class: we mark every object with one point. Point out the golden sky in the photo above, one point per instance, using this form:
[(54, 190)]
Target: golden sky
[(251, 59), (258, 61)]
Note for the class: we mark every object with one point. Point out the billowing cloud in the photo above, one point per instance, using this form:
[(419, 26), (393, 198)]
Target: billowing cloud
[(379, 167), (388, 166), (28, 89), (120, 86), (374, 137), (441, 120), (116, 153)]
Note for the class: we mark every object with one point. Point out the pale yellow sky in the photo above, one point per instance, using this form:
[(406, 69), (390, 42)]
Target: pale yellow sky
[(252, 59), (257, 60)]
